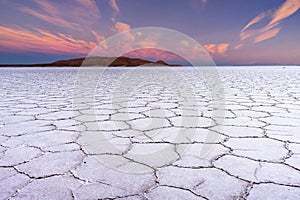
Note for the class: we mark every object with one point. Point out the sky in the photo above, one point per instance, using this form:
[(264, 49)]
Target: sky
[(233, 32)]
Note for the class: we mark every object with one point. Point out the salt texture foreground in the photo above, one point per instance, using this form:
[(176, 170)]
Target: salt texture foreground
[(148, 143)]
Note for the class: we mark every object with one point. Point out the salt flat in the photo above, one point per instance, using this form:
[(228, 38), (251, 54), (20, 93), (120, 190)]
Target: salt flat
[(150, 133)]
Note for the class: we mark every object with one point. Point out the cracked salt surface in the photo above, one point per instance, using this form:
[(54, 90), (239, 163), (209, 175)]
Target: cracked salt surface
[(150, 138)]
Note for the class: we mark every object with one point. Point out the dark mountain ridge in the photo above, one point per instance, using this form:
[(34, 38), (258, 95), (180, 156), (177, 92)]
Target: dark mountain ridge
[(97, 61)]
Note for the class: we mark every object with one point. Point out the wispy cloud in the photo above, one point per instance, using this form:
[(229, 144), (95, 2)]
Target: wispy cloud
[(81, 13), (42, 41), (114, 6), (47, 7), (91, 6), (255, 20), (247, 34), (238, 46), (288, 8), (119, 26), (81, 16), (99, 37), (266, 35), (48, 18)]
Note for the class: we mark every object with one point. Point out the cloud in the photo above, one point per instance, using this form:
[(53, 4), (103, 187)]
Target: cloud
[(38, 40), (47, 18), (247, 34), (47, 6), (203, 2), (114, 6), (220, 49), (121, 27), (266, 35), (238, 46), (73, 22), (81, 13), (91, 7), (99, 38), (255, 20), (210, 48), (288, 8)]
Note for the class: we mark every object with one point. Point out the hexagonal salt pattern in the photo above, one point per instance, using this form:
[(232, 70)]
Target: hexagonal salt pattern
[(154, 135)]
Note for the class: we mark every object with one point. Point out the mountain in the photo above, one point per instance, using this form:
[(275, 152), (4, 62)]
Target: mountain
[(97, 61)]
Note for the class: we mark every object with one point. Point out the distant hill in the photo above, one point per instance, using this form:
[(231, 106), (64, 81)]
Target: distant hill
[(97, 61)]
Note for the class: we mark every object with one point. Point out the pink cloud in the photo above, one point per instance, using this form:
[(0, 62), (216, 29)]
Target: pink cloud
[(255, 20), (121, 27), (266, 35), (210, 48), (238, 46), (38, 40), (220, 49), (288, 8), (247, 34), (47, 6)]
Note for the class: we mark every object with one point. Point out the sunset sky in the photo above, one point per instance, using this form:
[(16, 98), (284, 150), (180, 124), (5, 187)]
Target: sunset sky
[(234, 32)]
